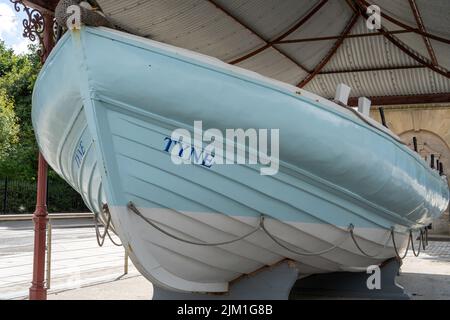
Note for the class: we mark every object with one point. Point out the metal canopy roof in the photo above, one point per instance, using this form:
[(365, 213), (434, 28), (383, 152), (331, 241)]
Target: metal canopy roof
[(312, 44)]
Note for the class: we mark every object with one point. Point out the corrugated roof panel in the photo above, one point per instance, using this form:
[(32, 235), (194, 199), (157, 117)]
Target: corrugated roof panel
[(192, 24), (270, 17), (435, 14), (382, 83), (332, 17), (198, 25), (442, 83), (309, 55), (329, 20), (415, 42), (272, 64), (442, 52), (376, 81), (367, 52), (436, 18), (321, 87)]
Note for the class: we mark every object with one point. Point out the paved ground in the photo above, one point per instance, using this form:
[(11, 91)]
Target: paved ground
[(82, 270), (428, 276), (77, 261)]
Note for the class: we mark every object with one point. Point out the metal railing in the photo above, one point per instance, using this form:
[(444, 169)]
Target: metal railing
[(19, 197), (48, 271)]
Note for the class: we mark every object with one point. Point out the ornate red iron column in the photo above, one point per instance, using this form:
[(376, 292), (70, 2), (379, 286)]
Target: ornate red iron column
[(38, 291)]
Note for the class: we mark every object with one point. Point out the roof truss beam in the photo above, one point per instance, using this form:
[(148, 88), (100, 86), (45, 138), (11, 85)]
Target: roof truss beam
[(42, 5), (372, 69), (365, 4), (404, 100), (349, 36), (363, 12), (421, 26)]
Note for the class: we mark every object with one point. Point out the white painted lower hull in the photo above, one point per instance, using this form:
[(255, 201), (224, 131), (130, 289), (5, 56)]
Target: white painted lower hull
[(174, 265)]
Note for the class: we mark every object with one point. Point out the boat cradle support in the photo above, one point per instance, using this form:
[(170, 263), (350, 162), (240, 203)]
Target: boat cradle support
[(281, 282), (269, 283), (352, 285)]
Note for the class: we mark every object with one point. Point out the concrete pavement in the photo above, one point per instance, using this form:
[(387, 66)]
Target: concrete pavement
[(428, 276), (77, 261)]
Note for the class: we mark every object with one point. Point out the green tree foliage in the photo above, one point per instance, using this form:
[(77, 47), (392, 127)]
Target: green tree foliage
[(17, 76), (18, 148), (9, 128)]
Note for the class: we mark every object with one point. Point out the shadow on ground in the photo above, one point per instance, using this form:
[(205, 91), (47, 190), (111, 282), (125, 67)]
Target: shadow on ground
[(426, 286)]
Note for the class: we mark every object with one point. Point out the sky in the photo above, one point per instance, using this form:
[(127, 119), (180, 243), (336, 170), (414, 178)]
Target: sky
[(11, 28)]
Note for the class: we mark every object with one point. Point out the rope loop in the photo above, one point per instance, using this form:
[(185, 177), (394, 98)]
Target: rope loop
[(261, 226), (352, 234), (395, 246), (133, 208), (412, 243), (101, 237)]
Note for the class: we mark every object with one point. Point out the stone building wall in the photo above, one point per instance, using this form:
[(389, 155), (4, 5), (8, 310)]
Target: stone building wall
[(430, 124)]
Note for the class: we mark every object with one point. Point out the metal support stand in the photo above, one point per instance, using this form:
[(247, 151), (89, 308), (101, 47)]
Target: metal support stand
[(350, 285), (281, 283), (272, 283)]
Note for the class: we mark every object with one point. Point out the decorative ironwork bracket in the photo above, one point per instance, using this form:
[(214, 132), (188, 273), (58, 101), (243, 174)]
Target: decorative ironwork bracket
[(33, 25)]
